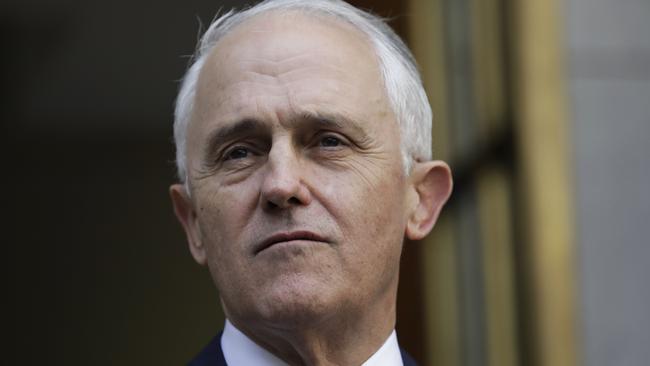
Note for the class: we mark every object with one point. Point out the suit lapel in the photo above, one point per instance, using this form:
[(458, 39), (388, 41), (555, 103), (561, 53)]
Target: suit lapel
[(211, 355), (407, 360)]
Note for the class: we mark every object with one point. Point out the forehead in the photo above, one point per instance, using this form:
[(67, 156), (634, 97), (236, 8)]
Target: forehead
[(273, 36), (297, 51)]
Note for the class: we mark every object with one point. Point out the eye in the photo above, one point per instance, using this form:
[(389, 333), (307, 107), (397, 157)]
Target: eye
[(238, 152), (330, 141)]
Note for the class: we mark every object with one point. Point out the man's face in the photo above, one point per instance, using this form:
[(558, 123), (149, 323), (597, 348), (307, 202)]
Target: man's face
[(297, 188)]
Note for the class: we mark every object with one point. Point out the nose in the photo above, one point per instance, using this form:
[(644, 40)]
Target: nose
[(283, 184)]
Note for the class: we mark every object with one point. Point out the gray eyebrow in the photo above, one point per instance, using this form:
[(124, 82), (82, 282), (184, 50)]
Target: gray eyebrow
[(243, 127), (226, 133), (332, 120)]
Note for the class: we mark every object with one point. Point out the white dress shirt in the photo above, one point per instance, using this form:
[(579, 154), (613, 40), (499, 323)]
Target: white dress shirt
[(239, 350)]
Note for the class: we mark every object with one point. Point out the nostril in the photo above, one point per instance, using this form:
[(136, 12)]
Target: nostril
[(275, 204)]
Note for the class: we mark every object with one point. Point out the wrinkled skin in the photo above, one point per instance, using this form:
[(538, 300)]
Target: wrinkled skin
[(299, 203)]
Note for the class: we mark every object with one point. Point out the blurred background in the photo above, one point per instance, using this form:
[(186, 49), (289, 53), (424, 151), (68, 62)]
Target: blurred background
[(542, 257)]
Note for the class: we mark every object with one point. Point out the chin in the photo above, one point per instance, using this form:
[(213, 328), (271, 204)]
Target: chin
[(296, 304)]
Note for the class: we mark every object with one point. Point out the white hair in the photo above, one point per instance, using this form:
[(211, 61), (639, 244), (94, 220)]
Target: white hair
[(401, 78)]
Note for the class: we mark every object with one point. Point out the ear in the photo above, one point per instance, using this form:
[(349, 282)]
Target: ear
[(186, 215), (432, 184)]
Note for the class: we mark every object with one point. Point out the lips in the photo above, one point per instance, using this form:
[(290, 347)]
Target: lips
[(288, 236)]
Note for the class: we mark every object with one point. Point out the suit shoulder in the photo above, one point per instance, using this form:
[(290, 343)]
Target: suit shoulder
[(210, 355)]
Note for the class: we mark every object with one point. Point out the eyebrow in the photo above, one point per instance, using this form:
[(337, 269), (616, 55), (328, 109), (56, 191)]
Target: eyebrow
[(229, 132), (335, 121)]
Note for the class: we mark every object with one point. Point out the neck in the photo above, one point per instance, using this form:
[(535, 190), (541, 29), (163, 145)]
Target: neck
[(338, 339)]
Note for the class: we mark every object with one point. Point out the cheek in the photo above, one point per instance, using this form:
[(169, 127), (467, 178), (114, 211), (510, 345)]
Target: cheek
[(223, 214), (372, 222), (223, 217), (370, 208)]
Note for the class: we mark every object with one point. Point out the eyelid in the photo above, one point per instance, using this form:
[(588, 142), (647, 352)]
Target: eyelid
[(226, 154), (329, 133), (343, 139), (223, 155)]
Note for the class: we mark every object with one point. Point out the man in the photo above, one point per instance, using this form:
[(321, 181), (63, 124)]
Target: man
[(303, 146)]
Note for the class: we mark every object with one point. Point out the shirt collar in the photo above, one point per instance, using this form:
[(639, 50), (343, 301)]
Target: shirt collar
[(238, 349)]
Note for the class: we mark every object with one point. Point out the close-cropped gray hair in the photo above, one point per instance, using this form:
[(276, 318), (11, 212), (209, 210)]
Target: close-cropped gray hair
[(400, 75)]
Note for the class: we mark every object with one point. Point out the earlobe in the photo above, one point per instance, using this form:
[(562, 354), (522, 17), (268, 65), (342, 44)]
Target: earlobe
[(432, 183), (186, 215)]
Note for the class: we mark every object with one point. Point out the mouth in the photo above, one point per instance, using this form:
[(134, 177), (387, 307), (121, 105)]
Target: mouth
[(284, 237)]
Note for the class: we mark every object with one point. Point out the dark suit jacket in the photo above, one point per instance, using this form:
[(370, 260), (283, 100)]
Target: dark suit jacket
[(212, 355)]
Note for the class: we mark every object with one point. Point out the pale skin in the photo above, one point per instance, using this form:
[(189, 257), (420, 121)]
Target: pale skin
[(299, 202)]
